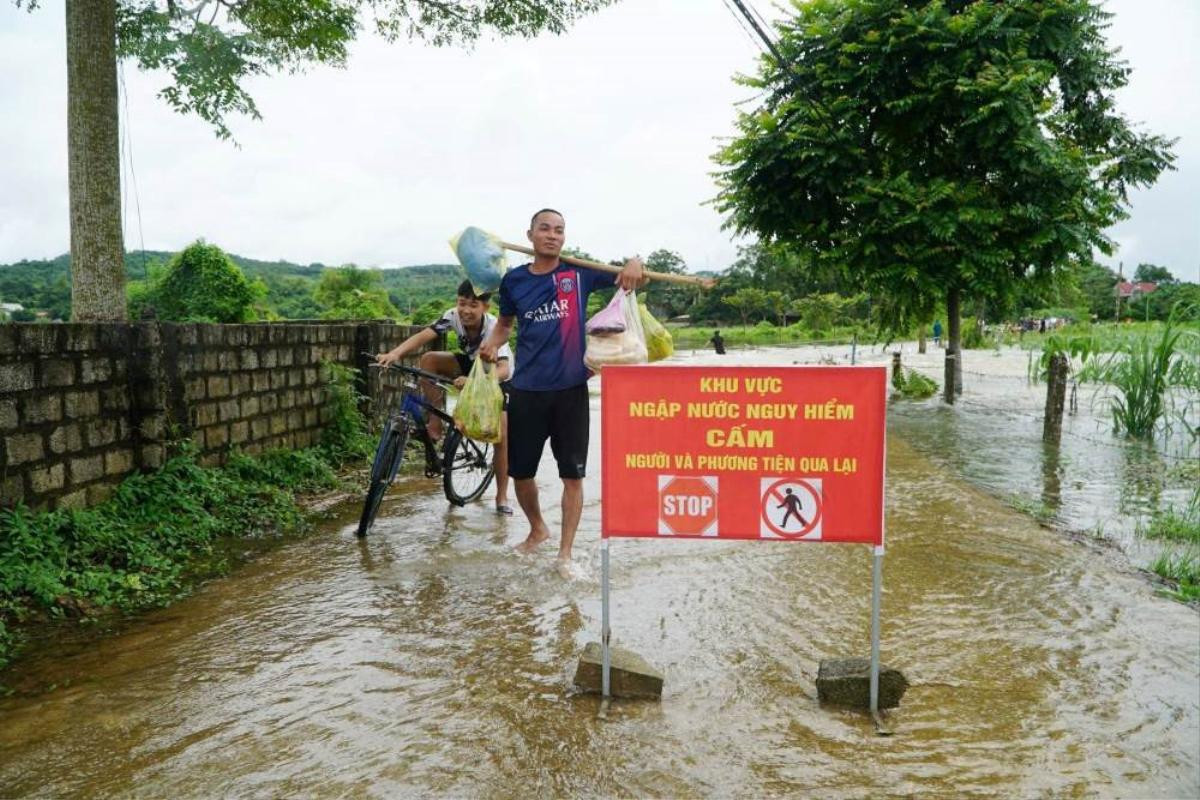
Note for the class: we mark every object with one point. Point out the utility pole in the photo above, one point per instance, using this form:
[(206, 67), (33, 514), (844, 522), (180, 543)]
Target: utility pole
[(1117, 290)]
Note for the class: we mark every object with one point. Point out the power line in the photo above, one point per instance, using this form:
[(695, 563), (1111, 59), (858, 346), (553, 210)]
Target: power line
[(760, 17), (128, 136), (761, 33), (742, 24)]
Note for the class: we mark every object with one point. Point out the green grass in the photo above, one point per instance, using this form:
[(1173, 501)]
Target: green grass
[(1175, 524), (1041, 512), (1182, 569), (1153, 369), (1172, 525), (161, 532), (1108, 337)]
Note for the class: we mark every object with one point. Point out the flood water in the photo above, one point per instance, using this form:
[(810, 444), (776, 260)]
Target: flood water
[(430, 661)]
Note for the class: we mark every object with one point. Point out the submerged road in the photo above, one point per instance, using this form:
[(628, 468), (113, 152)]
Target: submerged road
[(430, 660)]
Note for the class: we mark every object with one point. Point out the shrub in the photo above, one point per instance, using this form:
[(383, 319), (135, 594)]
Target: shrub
[(352, 293), (201, 284), (913, 385)]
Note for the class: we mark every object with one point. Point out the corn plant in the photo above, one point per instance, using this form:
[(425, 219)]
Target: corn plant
[(1141, 378)]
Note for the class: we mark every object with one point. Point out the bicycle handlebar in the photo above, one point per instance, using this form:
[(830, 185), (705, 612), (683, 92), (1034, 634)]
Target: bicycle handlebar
[(420, 373)]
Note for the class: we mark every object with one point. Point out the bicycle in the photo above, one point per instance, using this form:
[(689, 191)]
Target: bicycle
[(464, 463)]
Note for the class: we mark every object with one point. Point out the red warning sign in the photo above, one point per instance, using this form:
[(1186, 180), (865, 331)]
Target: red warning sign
[(687, 506), (783, 453)]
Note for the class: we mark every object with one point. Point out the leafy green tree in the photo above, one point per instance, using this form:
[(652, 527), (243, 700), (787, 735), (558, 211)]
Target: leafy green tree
[(820, 312), (666, 300), (141, 295), (931, 149), (1153, 273), (291, 296), (202, 284), (352, 293), (210, 49), (431, 311), (777, 304), (748, 302), (1159, 303), (1096, 284), (710, 306)]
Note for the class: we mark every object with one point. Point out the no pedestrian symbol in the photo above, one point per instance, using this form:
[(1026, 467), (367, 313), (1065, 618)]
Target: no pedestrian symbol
[(791, 508)]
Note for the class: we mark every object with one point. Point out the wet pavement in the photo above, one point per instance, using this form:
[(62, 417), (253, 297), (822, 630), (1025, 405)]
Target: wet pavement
[(429, 660)]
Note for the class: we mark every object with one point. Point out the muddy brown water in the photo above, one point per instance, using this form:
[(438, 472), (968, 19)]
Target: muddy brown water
[(430, 661)]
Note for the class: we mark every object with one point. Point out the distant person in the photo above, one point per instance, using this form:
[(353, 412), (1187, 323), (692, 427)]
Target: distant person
[(549, 396), (937, 333), (471, 323), (718, 343), (1042, 325)]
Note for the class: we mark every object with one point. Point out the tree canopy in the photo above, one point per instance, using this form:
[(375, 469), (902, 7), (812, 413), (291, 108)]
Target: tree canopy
[(924, 149), (352, 293), (1153, 273), (210, 47), (201, 284)]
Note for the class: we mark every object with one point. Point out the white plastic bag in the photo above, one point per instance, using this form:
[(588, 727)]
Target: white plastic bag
[(618, 347)]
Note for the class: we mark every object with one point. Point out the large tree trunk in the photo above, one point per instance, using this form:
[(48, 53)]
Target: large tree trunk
[(94, 162), (954, 335)]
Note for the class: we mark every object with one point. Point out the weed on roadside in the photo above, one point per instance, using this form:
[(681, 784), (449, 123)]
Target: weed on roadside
[(163, 531), (1183, 570)]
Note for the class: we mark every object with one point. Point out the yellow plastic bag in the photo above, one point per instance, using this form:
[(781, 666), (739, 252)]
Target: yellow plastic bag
[(659, 344), (480, 404)]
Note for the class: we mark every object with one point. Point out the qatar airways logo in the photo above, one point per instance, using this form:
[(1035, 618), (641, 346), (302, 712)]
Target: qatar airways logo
[(552, 310)]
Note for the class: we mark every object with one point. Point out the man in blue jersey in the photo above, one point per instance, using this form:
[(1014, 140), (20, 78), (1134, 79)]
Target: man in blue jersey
[(548, 398)]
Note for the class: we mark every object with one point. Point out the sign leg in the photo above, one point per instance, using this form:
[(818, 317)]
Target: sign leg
[(604, 629), (876, 592)]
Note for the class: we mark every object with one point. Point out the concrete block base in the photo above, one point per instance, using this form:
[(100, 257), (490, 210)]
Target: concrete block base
[(630, 675)]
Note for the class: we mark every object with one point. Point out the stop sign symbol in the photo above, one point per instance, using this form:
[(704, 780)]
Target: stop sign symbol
[(687, 505)]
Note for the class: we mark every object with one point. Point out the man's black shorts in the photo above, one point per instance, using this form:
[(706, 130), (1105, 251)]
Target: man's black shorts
[(560, 415)]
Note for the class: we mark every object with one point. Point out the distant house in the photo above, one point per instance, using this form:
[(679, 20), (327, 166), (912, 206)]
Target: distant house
[(6, 309), (1127, 290)]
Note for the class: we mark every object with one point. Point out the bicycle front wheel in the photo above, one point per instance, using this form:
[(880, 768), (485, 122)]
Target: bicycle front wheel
[(466, 468), (388, 456)]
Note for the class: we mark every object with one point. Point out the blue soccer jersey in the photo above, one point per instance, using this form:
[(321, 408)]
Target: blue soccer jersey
[(549, 311)]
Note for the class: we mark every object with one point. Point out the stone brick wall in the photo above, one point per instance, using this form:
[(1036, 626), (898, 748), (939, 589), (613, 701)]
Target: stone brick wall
[(84, 405)]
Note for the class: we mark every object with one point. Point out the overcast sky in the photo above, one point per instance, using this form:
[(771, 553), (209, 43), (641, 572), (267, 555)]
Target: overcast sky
[(380, 163)]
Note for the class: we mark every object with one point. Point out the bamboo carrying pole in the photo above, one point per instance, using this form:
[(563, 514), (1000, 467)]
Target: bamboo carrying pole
[(691, 280)]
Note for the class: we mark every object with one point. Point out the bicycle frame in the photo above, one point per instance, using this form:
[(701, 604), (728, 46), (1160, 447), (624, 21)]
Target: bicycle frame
[(416, 408), (407, 418)]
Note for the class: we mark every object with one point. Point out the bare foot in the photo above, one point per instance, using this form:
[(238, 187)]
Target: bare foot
[(531, 542), (568, 570)]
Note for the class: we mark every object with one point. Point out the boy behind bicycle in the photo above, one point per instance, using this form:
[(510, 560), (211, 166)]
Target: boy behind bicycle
[(471, 323)]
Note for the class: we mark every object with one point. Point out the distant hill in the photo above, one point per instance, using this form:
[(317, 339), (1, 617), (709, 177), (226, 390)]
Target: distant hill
[(45, 285)]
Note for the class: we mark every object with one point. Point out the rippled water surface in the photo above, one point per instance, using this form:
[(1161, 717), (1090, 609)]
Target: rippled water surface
[(430, 661)]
